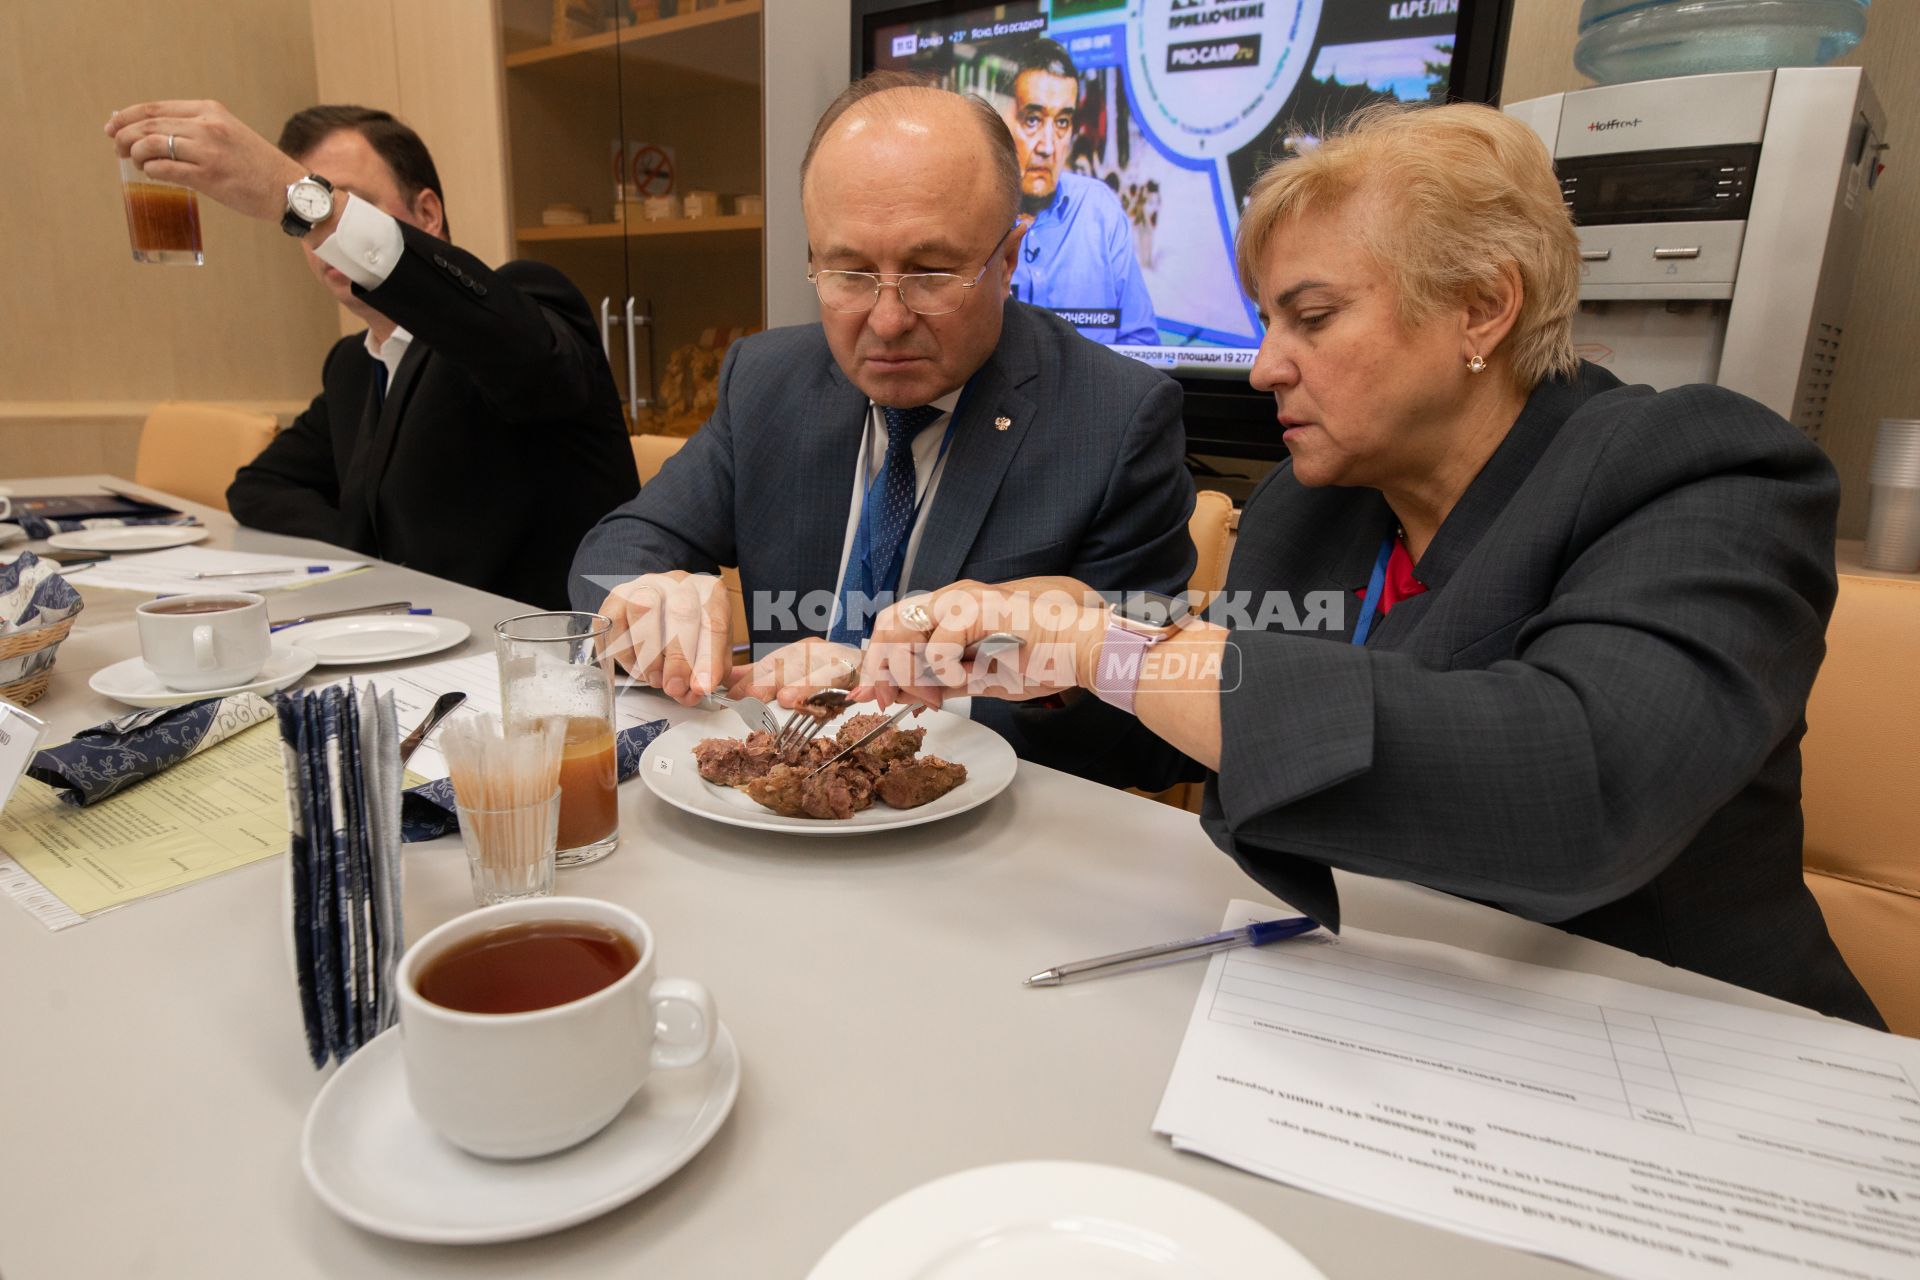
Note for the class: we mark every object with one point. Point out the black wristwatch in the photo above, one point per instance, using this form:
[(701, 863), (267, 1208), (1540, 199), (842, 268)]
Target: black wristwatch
[(309, 203)]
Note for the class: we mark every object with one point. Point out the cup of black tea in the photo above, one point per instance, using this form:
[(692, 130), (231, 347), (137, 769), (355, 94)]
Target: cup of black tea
[(527, 1027)]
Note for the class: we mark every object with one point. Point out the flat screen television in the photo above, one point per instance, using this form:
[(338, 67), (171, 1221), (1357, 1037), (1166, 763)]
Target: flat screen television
[(1141, 125)]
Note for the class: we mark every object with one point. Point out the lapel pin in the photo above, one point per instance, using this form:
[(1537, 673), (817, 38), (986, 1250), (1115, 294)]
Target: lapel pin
[(1002, 423)]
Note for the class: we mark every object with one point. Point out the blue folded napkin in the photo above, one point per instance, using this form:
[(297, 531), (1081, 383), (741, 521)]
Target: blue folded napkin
[(32, 595), (427, 811), (341, 748), (112, 756), (42, 527)]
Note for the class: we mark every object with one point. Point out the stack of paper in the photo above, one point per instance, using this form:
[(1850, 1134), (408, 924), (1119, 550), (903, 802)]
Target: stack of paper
[(172, 571), (1629, 1130), (341, 751)]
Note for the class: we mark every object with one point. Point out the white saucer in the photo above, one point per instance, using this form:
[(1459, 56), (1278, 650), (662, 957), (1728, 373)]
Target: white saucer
[(1058, 1220), (132, 537), (133, 683), (377, 1164), (347, 642)]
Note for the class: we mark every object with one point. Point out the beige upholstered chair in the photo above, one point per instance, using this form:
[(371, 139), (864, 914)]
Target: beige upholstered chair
[(1211, 528), (193, 450), (1859, 783), (650, 453)]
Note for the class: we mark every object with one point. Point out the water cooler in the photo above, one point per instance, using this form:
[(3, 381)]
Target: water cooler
[(1720, 220)]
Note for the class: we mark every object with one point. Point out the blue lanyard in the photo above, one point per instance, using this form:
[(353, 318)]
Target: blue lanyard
[(1376, 587)]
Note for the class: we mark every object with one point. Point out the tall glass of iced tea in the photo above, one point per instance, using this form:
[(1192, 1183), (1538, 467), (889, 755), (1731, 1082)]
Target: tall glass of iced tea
[(556, 666), (163, 220)]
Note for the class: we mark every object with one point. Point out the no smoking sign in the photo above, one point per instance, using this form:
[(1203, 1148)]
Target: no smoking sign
[(652, 170)]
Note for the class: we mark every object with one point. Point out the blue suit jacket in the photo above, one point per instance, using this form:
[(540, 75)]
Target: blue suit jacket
[(1088, 479)]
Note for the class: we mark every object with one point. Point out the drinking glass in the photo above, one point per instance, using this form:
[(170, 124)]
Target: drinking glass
[(557, 666), (163, 219), (510, 851)]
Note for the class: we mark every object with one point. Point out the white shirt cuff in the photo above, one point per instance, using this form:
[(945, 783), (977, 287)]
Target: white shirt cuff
[(365, 244)]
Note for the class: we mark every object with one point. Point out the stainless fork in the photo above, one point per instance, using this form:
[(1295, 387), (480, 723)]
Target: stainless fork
[(752, 712), (803, 726)]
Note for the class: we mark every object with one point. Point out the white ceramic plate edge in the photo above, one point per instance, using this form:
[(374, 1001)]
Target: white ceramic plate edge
[(714, 1110), (914, 1227), (452, 631), (177, 535), (770, 821)]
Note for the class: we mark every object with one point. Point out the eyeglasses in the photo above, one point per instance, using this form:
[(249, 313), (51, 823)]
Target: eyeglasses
[(926, 293)]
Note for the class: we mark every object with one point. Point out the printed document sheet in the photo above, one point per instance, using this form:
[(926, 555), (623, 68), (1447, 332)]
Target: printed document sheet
[(213, 812), (1626, 1129), (416, 688)]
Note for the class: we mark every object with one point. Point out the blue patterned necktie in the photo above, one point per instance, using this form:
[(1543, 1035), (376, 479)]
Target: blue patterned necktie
[(888, 517)]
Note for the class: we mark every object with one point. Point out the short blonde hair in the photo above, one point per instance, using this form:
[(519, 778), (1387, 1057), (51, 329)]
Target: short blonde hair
[(1462, 190)]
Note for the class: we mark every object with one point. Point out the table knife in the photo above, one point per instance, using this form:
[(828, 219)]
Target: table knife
[(392, 606)]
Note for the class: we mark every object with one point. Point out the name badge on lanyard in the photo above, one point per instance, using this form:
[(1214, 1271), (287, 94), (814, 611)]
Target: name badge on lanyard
[(1376, 587)]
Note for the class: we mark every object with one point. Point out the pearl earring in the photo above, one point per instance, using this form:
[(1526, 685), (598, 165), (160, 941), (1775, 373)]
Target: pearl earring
[(1475, 364)]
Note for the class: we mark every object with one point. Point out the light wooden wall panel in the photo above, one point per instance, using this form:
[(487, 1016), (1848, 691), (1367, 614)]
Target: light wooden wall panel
[(1878, 376), (82, 322), (435, 64)]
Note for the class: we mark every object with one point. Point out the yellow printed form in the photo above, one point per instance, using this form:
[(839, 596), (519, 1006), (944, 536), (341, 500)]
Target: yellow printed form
[(219, 810)]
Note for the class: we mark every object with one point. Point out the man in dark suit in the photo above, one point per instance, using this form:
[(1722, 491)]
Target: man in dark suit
[(926, 431), (473, 431)]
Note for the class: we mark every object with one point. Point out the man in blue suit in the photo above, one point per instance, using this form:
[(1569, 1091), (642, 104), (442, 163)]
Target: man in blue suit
[(926, 431)]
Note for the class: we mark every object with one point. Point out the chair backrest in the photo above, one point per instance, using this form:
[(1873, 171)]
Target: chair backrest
[(650, 453), (194, 450), (1862, 852), (1210, 527)]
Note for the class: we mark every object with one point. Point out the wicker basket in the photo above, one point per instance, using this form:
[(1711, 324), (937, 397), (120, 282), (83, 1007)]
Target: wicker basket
[(35, 640)]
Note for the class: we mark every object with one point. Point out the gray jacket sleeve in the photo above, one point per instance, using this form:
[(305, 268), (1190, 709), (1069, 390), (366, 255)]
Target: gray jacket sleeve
[(682, 518), (1565, 760)]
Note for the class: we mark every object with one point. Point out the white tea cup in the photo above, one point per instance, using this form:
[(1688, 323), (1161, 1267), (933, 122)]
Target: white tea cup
[(519, 1084), (199, 642)]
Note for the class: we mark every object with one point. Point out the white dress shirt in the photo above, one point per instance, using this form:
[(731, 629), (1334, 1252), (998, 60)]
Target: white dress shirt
[(364, 247)]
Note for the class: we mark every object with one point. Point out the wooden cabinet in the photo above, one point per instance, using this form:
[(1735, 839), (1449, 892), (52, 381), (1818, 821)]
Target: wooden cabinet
[(655, 105)]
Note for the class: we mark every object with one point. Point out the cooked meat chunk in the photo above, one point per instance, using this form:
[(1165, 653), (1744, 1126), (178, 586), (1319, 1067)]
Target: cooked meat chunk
[(894, 744), (731, 762), (838, 792), (908, 784)]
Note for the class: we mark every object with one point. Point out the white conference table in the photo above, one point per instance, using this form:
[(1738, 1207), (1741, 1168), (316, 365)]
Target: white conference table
[(155, 1076)]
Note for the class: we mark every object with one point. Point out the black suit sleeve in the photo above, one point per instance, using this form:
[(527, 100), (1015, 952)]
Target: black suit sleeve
[(683, 518), (293, 487), (523, 334), (1672, 658)]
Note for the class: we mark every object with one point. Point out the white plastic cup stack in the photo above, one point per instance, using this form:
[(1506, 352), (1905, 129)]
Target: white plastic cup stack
[(1893, 507)]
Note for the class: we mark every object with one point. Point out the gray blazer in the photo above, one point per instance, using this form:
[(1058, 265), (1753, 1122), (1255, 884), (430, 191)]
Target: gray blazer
[(1088, 479), (1591, 717)]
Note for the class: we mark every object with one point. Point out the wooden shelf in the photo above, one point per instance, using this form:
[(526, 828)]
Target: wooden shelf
[(637, 33), (733, 222)]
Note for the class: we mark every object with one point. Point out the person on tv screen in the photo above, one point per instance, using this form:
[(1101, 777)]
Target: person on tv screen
[(1076, 258)]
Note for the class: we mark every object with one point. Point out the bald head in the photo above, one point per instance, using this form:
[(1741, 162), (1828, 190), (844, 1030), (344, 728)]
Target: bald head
[(915, 107)]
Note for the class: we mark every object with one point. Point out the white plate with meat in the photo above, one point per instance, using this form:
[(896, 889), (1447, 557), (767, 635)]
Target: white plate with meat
[(901, 781)]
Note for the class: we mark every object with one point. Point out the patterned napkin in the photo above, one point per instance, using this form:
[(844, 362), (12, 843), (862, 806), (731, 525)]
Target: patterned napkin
[(341, 747), (42, 527), (112, 756), (32, 595), (427, 812)]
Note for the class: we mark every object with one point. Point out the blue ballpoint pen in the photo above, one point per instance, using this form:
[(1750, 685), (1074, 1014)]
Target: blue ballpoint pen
[(1253, 935)]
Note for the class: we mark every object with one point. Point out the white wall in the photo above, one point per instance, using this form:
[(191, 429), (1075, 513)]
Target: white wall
[(807, 46)]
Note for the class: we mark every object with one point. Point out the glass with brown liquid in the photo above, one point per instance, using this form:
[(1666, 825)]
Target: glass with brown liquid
[(163, 220), (556, 666)]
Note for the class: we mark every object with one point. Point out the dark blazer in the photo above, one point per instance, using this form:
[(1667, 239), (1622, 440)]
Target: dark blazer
[(497, 446), (1592, 717), (1088, 478)]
